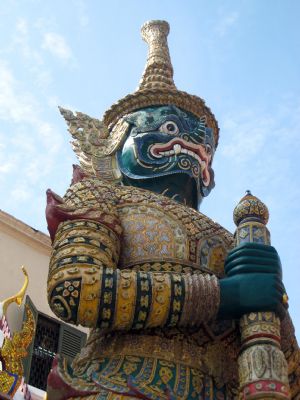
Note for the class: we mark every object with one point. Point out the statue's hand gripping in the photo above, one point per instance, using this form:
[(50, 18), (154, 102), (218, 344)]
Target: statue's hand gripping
[(253, 281)]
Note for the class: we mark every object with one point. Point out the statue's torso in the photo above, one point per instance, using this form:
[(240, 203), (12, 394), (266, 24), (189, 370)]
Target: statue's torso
[(159, 234), (155, 229)]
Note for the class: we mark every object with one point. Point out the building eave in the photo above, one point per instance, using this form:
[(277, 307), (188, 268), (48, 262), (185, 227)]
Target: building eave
[(24, 232)]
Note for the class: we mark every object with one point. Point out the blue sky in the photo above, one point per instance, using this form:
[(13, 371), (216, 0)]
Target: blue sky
[(242, 57)]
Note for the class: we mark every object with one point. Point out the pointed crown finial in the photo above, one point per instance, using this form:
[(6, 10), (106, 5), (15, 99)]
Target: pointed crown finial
[(158, 70)]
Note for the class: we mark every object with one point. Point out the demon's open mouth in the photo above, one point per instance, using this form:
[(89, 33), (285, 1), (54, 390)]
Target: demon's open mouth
[(178, 146)]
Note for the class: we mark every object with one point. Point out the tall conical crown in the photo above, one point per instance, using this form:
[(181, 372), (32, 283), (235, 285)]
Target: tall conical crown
[(158, 71), (157, 86)]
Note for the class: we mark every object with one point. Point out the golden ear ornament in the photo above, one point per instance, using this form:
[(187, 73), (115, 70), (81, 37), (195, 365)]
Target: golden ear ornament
[(94, 145)]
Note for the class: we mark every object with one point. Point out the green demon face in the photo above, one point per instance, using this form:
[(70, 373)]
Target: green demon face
[(168, 142)]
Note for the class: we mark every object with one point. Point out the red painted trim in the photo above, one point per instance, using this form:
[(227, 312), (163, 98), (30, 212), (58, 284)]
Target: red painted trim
[(262, 335)]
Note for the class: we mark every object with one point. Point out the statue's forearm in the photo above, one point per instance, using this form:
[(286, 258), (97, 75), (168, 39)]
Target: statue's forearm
[(86, 287), (158, 299)]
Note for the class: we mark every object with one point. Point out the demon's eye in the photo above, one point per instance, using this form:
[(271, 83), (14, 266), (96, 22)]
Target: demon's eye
[(169, 127)]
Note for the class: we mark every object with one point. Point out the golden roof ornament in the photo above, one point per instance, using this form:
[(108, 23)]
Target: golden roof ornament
[(14, 348), (17, 298), (157, 86)]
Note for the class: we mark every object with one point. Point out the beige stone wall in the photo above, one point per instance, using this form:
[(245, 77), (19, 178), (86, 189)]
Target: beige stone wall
[(22, 245)]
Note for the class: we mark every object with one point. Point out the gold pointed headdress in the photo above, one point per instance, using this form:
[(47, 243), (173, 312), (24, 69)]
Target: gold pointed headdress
[(157, 86)]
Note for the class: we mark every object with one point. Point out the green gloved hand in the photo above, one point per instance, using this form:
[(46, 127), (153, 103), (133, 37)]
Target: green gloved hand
[(253, 281)]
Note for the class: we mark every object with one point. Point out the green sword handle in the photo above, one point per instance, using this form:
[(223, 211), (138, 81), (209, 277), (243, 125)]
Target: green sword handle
[(263, 371)]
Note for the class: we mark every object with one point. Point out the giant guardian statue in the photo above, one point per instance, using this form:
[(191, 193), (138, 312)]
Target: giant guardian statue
[(177, 307)]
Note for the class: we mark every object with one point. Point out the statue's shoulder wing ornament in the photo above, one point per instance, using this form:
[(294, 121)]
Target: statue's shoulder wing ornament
[(94, 145)]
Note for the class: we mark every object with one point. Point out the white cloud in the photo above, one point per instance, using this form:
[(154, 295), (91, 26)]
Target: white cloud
[(262, 151), (6, 167), (20, 194), (82, 14), (31, 142), (226, 22), (29, 41), (7, 162), (51, 138), (57, 46), (248, 134), (22, 26), (53, 101), (25, 43), (14, 106), (21, 40), (43, 78)]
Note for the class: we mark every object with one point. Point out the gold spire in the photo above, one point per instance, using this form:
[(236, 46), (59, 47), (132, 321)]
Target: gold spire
[(157, 86), (158, 71)]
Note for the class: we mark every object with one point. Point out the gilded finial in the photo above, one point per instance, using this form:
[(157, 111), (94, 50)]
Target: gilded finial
[(17, 298), (250, 207), (158, 71)]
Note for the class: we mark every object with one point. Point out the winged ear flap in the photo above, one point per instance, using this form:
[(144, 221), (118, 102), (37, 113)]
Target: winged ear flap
[(96, 146), (80, 124)]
